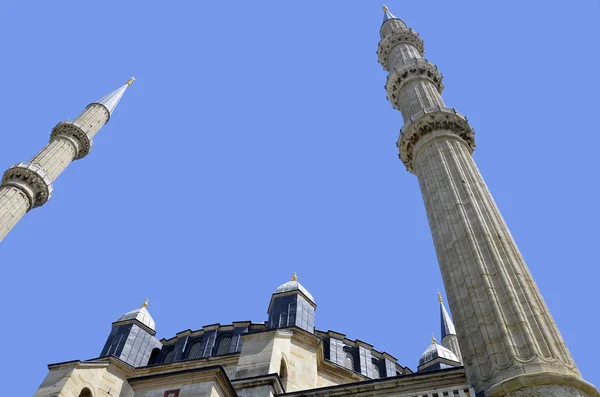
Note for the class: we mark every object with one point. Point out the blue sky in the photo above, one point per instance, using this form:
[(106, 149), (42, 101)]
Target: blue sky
[(257, 141)]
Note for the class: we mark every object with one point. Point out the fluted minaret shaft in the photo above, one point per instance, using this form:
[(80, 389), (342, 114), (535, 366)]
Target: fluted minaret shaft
[(28, 185), (507, 336)]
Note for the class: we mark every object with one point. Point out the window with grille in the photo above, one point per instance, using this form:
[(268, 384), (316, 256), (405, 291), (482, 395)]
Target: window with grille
[(195, 350), (169, 356), (223, 345), (348, 359), (375, 372)]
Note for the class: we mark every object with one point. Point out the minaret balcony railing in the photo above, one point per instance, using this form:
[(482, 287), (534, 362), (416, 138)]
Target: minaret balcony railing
[(437, 118), (387, 44), (32, 180), (77, 131), (407, 71)]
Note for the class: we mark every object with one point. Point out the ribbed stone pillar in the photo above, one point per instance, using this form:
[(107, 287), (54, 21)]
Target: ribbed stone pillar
[(509, 342), (28, 185)]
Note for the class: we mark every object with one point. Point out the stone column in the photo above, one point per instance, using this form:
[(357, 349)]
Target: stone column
[(510, 344)]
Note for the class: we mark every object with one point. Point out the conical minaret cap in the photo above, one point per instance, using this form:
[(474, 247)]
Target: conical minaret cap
[(111, 101), (446, 322), (387, 15)]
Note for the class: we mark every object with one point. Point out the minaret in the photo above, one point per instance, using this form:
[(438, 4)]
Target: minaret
[(509, 341), (28, 185), (449, 338)]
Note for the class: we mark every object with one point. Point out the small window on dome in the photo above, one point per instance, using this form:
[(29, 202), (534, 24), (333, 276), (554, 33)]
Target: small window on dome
[(349, 361), (169, 356), (223, 345), (195, 350), (375, 372)]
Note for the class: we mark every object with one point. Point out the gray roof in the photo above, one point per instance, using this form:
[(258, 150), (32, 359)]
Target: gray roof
[(294, 286), (437, 351), (447, 324), (142, 315), (111, 100)]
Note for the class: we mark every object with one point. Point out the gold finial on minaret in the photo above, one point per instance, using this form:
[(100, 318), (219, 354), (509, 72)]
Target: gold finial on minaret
[(145, 304), (385, 8), (131, 80), (440, 297), (294, 277), (433, 341)]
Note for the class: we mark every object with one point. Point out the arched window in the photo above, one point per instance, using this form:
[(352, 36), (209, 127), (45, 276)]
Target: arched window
[(375, 372), (283, 374), (153, 356), (195, 350), (85, 392), (223, 345), (169, 356), (349, 359)]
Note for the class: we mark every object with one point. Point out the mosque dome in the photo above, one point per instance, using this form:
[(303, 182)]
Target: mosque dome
[(141, 314), (437, 351), (294, 285)]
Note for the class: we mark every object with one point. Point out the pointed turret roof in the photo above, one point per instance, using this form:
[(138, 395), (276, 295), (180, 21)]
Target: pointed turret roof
[(140, 314), (111, 101), (446, 321), (387, 15)]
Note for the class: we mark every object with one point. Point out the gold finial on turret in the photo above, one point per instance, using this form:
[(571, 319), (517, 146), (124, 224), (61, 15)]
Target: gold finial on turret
[(385, 8), (433, 341), (131, 80), (440, 297), (294, 277), (145, 304)]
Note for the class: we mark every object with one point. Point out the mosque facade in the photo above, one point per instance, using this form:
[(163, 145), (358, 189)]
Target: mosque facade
[(505, 342)]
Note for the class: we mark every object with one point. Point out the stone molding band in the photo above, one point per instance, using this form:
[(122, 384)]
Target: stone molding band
[(387, 44), (407, 71), (32, 180), (524, 381), (77, 131), (430, 120)]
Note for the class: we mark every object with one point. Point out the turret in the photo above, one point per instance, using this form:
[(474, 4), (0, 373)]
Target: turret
[(292, 305), (449, 338), (132, 337), (29, 185)]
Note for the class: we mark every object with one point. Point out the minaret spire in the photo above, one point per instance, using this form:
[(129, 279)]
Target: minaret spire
[(510, 343), (449, 338), (28, 185), (111, 100)]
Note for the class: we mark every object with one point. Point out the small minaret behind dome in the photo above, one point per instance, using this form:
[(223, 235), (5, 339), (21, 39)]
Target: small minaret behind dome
[(449, 338), (29, 185), (292, 305)]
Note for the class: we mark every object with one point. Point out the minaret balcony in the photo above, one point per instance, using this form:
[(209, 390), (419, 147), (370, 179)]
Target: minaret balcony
[(77, 131), (433, 123), (32, 180), (410, 70), (387, 44)]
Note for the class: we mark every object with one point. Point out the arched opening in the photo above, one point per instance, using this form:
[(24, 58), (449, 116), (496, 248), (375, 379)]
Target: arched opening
[(375, 370), (85, 392), (169, 356), (283, 374), (223, 345), (195, 350), (349, 360), (153, 356)]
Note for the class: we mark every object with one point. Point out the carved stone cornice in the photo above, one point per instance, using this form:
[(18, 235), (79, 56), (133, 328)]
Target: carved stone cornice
[(431, 120), (407, 71), (77, 131), (387, 44), (32, 180)]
